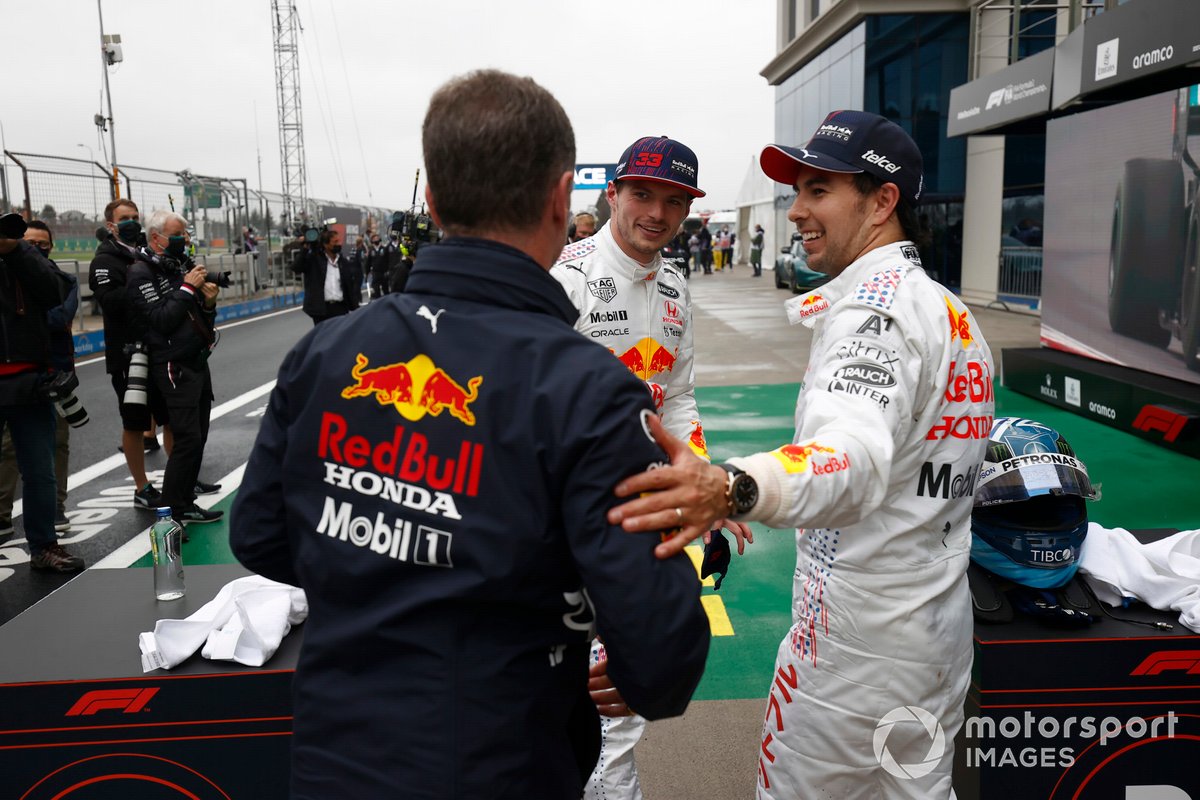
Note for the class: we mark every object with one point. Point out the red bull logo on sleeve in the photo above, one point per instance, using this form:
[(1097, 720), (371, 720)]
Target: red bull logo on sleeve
[(960, 325), (696, 440), (794, 457), (415, 388), (647, 358)]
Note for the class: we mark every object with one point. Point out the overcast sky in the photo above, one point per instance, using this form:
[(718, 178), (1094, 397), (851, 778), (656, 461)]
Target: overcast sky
[(197, 87)]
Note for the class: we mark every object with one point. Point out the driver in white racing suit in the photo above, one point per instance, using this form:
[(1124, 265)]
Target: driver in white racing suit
[(892, 425), (638, 306)]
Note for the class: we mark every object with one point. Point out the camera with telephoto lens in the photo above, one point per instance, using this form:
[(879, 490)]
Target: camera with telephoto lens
[(185, 263), (60, 390), (138, 375)]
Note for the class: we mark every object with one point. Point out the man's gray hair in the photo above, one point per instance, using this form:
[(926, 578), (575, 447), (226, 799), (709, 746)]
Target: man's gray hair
[(158, 219)]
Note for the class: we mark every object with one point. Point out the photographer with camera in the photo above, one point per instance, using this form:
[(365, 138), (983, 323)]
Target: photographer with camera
[(29, 287), (107, 278), (378, 257), (174, 305), (71, 412), (332, 286)]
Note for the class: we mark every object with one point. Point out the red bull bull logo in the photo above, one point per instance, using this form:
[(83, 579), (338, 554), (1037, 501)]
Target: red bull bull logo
[(960, 326), (415, 388), (794, 457), (696, 440), (647, 358), (812, 305)]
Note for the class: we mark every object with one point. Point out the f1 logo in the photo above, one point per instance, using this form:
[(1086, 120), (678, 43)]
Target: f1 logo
[(1160, 418), (1169, 661), (129, 701), (994, 99)]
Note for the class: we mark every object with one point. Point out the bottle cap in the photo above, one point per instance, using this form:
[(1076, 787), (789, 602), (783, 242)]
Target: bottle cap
[(163, 511)]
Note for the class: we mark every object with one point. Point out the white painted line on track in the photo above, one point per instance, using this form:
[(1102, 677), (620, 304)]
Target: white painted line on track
[(112, 462), (223, 326), (139, 545)]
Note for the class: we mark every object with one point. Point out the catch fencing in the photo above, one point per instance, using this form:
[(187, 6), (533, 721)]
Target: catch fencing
[(235, 229)]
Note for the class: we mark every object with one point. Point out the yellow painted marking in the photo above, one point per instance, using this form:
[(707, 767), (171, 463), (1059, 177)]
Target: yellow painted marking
[(696, 554), (718, 620), (714, 606)]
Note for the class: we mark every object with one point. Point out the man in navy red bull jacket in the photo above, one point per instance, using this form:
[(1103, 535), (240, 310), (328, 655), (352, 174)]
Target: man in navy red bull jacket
[(434, 470)]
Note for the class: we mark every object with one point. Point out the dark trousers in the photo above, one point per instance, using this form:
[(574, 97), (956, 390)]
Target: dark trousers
[(9, 472), (331, 310), (187, 390), (32, 428)]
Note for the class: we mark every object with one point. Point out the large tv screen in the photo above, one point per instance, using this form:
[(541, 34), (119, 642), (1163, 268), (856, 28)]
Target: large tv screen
[(1120, 282)]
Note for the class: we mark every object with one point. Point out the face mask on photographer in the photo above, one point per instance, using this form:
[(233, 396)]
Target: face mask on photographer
[(128, 230), (176, 246)]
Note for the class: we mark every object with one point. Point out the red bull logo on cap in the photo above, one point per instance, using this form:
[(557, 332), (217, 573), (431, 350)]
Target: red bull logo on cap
[(794, 457), (812, 305), (960, 325), (415, 388)]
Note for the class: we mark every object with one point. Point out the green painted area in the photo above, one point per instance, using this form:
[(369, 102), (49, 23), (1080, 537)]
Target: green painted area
[(208, 544), (1144, 486)]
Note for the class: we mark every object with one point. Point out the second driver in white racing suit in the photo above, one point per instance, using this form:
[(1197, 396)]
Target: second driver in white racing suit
[(639, 307)]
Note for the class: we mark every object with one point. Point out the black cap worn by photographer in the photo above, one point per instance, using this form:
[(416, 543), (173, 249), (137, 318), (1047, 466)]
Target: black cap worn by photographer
[(852, 142)]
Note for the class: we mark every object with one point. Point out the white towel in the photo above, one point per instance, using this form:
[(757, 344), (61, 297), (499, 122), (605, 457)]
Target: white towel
[(245, 623), (1163, 574)]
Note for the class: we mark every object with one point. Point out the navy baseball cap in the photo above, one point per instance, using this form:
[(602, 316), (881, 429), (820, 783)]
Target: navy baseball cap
[(657, 158), (852, 142)]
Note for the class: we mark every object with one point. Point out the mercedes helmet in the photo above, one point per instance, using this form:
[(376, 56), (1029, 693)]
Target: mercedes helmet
[(1030, 518)]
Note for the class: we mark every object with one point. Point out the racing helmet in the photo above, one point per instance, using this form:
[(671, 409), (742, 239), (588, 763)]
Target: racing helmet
[(1030, 518)]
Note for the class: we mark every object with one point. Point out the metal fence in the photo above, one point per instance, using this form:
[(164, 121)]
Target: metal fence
[(1020, 275), (70, 194)]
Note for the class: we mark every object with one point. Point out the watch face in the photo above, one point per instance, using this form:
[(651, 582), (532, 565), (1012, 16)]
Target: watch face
[(745, 493)]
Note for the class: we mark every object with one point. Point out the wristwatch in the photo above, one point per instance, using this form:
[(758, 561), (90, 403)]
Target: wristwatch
[(741, 491)]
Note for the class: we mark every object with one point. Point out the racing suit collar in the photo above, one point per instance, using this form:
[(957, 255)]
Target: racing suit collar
[(615, 257), (489, 272), (807, 308)]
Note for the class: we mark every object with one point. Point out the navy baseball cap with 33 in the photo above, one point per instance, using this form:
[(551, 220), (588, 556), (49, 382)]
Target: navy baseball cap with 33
[(852, 142), (657, 158)]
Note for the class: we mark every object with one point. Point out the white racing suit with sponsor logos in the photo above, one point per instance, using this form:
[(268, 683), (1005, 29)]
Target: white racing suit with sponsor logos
[(643, 314), (891, 429)]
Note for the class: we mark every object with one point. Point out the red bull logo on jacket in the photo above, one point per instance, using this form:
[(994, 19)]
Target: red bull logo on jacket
[(415, 388), (960, 326), (794, 457)]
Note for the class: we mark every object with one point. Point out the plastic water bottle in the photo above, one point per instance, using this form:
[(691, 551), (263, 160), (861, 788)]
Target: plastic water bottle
[(166, 540)]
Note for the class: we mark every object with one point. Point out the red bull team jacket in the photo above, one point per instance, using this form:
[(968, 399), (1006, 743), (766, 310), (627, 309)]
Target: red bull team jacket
[(643, 314), (434, 472)]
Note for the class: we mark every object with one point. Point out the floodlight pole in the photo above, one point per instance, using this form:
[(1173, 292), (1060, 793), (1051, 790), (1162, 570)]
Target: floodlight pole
[(112, 134)]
